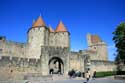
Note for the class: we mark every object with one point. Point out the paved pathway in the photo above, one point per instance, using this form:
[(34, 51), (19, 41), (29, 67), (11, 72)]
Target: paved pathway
[(99, 80), (84, 81), (92, 81)]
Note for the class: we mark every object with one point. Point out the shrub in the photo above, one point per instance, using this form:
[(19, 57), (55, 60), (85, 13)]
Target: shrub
[(103, 74), (120, 72)]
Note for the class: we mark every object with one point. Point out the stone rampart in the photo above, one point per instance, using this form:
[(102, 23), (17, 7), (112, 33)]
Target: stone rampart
[(16, 68), (11, 48), (99, 65)]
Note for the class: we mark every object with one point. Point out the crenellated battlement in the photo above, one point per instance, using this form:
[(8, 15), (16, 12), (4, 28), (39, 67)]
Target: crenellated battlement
[(16, 43), (18, 62), (54, 50), (12, 48), (36, 29)]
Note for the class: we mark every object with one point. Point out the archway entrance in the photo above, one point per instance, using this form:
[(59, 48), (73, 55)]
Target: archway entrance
[(56, 66)]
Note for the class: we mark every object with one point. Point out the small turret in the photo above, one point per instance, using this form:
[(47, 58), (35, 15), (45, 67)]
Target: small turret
[(62, 36), (39, 23), (60, 27)]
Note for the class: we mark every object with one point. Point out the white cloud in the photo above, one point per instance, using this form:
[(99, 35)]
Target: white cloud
[(111, 46)]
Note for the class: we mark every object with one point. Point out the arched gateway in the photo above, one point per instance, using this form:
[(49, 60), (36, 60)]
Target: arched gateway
[(56, 66), (54, 60)]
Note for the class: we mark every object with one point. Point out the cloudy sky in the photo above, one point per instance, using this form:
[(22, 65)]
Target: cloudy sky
[(79, 16)]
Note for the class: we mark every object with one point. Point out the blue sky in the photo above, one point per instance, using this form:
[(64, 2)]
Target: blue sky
[(79, 16)]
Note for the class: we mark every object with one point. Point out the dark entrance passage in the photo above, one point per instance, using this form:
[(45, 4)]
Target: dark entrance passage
[(56, 66)]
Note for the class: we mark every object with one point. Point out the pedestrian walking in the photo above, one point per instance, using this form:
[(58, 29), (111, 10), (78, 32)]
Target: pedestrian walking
[(94, 75), (87, 76)]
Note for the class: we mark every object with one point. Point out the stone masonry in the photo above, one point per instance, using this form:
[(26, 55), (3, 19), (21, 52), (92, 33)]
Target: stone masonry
[(48, 51)]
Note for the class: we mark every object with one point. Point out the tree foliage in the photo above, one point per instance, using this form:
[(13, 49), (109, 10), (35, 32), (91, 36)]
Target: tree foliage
[(119, 40)]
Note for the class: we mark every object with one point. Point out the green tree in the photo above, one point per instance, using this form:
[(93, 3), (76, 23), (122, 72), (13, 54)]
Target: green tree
[(119, 40)]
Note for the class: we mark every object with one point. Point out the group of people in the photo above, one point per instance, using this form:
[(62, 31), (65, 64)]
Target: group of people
[(87, 75)]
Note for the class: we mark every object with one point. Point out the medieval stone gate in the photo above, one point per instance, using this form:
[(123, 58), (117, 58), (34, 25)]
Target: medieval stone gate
[(54, 60)]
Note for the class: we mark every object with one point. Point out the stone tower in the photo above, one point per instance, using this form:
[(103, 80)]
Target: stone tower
[(55, 56), (37, 37), (60, 37), (97, 45)]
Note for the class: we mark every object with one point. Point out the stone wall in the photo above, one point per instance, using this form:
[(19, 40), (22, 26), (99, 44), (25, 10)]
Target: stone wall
[(59, 39), (52, 39), (99, 65), (49, 52), (96, 44), (41, 36), (102, 51), (13, 49), (76, 61), (16, 68), (36, 39)]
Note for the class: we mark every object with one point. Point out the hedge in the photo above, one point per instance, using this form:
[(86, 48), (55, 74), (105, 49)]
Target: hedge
[(120, 73), (104, 74)]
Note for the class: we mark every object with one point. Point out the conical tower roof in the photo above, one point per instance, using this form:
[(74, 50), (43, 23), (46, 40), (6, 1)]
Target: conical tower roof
[(39, 22), (61, 27), (50, 29)]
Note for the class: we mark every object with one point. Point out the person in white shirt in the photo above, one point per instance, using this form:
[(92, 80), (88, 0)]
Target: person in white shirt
[(87, 76)]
